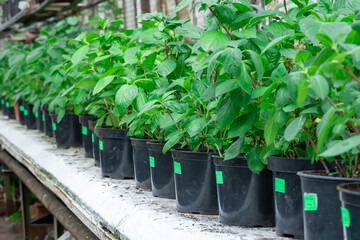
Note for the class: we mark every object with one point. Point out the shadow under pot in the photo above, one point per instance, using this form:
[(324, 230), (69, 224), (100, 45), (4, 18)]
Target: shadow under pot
[(86, 134), (161, 171), (21, 112), (141, 163), (195, 184), (29, 116), (245, 198), (350, 209), (322, 216), (116, 159), (39, 122), (47, 123), (95, 143), (286, 189), (67, 132)]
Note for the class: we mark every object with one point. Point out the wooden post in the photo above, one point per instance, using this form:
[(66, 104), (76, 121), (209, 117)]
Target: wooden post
[(25, 196), (10, 205)]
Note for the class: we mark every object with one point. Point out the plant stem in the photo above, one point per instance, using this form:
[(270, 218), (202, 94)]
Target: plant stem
[(157, 130), (216, 74), (356, 164), (286, 11), (227, 31), (166, 51), (296, 153), (108, 110), (177, 127), (255, 81), (351, 74)]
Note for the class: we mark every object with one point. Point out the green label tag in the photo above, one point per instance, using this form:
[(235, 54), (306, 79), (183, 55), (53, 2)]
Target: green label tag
[(345, 215), (54, 126), (177, 167), (21, 108), (92, 138), (7, 104), (43, 118), (152, 161), (310, 202), (26, 113), (36, 114), (219, 177), (101, 145), (280, 185), (84, 130), (2, 101)]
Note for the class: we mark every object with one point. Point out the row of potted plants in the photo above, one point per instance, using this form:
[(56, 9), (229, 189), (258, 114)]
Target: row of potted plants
[(201, 112)]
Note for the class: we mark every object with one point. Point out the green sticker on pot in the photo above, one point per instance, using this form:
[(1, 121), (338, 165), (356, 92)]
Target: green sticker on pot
[(92, 138), (21, 108), (101, 145), (36, 114), (152, 161), (280, 185), (54, 126), (84, 130), (177, 167), (26, 113), (219, 177), (2, 101), (345, 215), (7, 104), (43, 118), (310, 202)]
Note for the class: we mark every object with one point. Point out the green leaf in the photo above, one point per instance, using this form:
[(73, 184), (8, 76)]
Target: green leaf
[(117, 22), (341, 147), (241, 125), (213, 40), (86, 83), (103, 83), (262, 15), (34, 55), (324, 127), (172, 141), (231, 59), (148, 106), (255, 58), (254, 160), (125, 95), (303, 89), (319, 87), (282, 97), (245, 80), (181, 6), (280, 118), (166, 67), (226, 113), (267, 2), (150, 60), (270, 131), (79, 54), (196, 126), (130, 55), (189, 30), (324, 39), (227, 86), (276, 41), (235, 149), (294, 127)]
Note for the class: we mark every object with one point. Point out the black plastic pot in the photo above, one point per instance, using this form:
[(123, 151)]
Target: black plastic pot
[(21, 112), (95, 143), (10, 111), (350, 209), (29, 116), (67, 132), (244, 198), (322, 218), (116, 160), (288, 201), (47, 123), (2, 104), (86, 134), (39, 122), (195, 184), (141, 163), (161, 171)]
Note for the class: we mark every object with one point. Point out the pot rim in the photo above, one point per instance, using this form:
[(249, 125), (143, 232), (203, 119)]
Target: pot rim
[(342, 188), (308, 174)]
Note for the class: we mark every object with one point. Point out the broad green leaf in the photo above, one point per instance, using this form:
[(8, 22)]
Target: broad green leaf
[(270, 131), (280, 118), (130, 56), (254, 160), (226, 113), (241, 125), (189, 30), (86, 83), (196, 126), (324, 39), (103, 83), (79, 54), (166, 67), (276, 41), (324, 127), (303, 89), (172, 141), (125, 95), (150, 60), (282, 97), (262, 15), (235, 149), (255, 58), (231, 59), (319, 87), (245, 79), (341, 147), (294, 128), (148, 106), (213, 40), (34, 55), (227, 86), (181, 6)]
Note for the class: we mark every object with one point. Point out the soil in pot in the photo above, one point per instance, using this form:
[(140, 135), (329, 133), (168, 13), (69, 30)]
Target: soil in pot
[(29, 117), (141, 163), (95, 143), (288, 201), (322, 216), (21, 112), (39, 122), (47, 123), (116, 160), (161, 171), (195, 184), (245, 198), (350, 209), (86, 134), (67, 132)]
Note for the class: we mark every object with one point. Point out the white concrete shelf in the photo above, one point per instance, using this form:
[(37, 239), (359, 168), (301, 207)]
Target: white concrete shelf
[(112, 209)]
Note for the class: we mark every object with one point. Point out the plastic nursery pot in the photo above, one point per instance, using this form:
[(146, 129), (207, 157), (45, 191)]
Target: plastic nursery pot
[(322, 217), (116, 159), (10, 111), (67, 132), (161, 171), (21, 112), (47, 123), (39, 122), (5, 107), (350, 209), (29, 117), (245, 198), (95, 143), (195, 184), (86, 134), (141, 163), (288, 201)]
